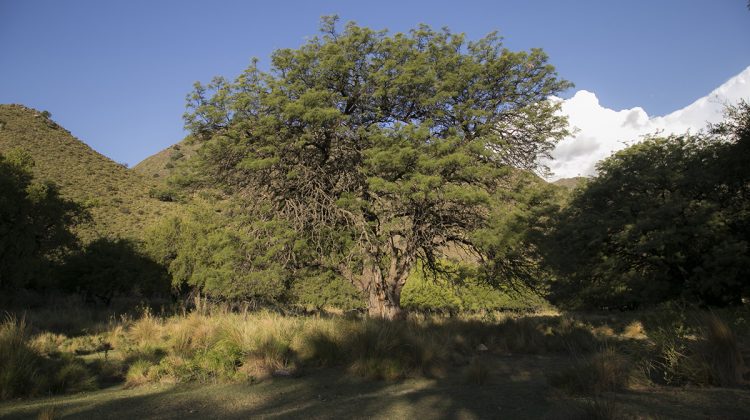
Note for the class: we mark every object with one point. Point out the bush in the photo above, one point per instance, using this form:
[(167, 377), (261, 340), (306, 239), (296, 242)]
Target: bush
[(326, 290), (460, 289)]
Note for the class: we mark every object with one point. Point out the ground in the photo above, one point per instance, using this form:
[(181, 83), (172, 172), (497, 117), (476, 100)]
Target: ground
[(517, 387)]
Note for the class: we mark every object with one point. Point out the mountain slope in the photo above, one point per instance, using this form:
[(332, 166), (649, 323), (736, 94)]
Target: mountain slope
[(117, 198), (159, 165), (570, 183)]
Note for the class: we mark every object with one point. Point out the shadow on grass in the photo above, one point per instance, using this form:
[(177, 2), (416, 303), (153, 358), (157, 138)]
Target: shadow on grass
[(515, 389)]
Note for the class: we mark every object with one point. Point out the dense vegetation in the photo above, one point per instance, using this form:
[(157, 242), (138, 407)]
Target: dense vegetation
[(664, 219)]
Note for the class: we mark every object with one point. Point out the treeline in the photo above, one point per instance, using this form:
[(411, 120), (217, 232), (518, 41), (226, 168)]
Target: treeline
[(665, 219), (215, 248)]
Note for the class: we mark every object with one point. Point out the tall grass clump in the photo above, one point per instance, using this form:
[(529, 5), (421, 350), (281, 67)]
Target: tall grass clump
[(382, 349), (19, 363), (703, 354), (603, 371), (721, 353)]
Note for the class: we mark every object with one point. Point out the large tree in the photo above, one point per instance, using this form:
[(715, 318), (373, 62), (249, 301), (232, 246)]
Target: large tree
[(381, 150)]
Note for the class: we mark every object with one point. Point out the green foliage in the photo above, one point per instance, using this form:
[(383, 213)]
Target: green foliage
[(379, 150), (106, 268), (459, 288), (664, 219), (210, 252), (320, 290), (35, 223), (508, 242)]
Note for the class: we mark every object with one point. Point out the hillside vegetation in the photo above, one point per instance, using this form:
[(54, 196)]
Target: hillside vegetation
[(160, 165), (116, 198), (570, 183)]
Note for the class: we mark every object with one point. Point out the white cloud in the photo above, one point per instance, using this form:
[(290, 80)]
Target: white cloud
[(601, 131)]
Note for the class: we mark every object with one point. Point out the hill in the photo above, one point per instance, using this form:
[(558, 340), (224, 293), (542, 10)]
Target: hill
[(117, 198), (159, 165), (570, 183)]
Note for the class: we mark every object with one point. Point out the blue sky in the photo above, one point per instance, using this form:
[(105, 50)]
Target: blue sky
[(116, 73)]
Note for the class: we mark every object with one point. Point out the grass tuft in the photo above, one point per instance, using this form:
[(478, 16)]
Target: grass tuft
[(603, 371), (20, 373)]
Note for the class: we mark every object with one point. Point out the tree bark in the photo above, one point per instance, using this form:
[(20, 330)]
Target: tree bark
[(385, 302), (383, 291)]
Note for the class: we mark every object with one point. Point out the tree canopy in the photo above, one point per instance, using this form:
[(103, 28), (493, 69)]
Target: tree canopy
[(664, 219), (379, 150), (35, 223)]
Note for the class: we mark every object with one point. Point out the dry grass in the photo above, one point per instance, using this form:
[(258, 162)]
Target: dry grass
[(215, 345), (26, 371), (19, 362), (634, 330), (48, 413), (720, 351), (604, 371), (706, 353)]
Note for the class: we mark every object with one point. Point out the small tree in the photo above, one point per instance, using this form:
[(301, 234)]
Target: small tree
[(380, 150), (35, 223)]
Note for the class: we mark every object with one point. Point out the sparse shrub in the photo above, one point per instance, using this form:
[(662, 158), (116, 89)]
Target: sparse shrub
[(176, 155), (163, 193)]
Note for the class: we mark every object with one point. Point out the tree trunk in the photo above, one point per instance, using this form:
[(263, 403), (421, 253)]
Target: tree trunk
[(385, 302), (383, 292)]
